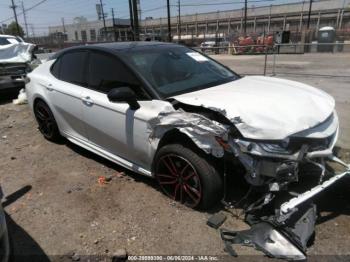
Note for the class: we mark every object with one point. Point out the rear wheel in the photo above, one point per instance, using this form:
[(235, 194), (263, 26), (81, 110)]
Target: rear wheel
[(187, 177), (46, 121)]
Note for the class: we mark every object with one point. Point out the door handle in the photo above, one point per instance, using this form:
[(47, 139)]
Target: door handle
[(87, 100), (49, 87)]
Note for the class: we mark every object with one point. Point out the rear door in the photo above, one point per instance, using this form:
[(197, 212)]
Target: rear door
[(65, 92)]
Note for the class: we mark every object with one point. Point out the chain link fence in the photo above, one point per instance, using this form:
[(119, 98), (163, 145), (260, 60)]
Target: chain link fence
[(274, 58)]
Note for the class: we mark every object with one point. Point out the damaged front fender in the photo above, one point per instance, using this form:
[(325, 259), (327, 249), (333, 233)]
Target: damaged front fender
[(201, 130)]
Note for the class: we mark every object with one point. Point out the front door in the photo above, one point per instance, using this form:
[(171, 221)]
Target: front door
[(114, 127)]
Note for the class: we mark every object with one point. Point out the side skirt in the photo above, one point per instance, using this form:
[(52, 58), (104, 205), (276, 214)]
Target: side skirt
[(116, 159)]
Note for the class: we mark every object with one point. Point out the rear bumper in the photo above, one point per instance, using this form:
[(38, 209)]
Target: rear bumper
[(11, 83), (12, 76)]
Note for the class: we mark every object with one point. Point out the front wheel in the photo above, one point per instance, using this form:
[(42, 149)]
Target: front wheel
[(187, 177)]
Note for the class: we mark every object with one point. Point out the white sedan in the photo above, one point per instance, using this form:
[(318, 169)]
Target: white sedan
[(169, 112)]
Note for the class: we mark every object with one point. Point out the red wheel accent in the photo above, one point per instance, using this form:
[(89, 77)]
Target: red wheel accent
[(179, 179)]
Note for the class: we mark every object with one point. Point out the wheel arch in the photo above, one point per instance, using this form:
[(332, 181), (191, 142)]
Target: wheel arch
[(37, 99), (175, 136)]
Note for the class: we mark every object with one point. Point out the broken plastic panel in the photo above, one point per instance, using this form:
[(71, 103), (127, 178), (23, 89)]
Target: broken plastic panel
[(287, 241), (266, 238)]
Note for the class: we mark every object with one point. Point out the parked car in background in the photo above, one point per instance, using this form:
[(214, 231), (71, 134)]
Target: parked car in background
[(168, 112), (4, 236), (16, 57), (207, 45)]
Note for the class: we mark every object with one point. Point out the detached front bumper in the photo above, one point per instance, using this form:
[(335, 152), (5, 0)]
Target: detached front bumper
[(285, 231), (289, 207)]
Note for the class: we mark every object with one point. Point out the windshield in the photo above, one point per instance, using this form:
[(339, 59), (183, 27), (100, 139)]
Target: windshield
[(177, 70)]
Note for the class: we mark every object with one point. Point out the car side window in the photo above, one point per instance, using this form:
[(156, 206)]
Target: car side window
[(4, 41), (72, 67), (106, 73), (55, 69)]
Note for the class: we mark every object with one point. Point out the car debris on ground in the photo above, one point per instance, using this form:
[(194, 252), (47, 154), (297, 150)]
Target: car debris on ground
[(283, 231)]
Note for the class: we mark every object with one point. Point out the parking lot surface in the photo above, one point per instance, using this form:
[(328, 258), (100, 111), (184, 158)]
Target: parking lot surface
[(67, 211)]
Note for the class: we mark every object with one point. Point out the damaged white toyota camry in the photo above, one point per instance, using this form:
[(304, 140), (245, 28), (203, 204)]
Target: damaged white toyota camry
[(169, 112)]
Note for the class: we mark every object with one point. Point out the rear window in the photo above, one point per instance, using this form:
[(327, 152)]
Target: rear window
[(72, 67)]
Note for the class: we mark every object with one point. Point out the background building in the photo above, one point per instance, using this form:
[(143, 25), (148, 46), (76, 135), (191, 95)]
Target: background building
[(93, 31), (225, 24)]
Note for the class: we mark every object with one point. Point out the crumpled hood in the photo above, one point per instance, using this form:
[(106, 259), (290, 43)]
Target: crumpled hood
[(265, 107), (16, 53)]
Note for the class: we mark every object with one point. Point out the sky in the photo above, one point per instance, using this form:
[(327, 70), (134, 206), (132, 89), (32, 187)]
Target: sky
[(50, 12)]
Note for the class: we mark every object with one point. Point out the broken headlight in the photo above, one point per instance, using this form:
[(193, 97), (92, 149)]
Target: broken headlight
[(261, 148), (280, 147)]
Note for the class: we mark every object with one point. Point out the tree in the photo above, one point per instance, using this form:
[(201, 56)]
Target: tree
[(12, 30)]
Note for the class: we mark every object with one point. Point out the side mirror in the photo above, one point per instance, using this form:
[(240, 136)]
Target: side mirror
[(124, 94)]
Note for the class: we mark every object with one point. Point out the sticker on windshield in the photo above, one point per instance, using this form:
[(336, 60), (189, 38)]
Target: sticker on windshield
[(197, 56)]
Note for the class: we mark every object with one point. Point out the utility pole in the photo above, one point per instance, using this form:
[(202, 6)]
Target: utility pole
[(25, 19), (245, 17), (115, 34), (63, 25), (131, 20), (13, 6), (33, 32), (104, 21), (309, 15), (139, 10), (179, 19), (136, 20), (169, 26), (64, 31)]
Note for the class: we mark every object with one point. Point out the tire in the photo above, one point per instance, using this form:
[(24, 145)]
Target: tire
[(188, 177), (46, 121)]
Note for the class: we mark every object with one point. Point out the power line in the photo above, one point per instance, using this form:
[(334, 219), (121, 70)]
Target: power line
[(228, 3), (154, 9), (205, 4), (26, 10)]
